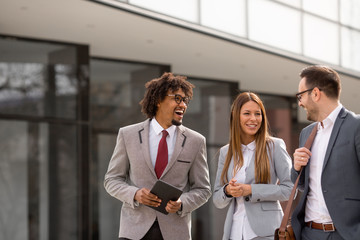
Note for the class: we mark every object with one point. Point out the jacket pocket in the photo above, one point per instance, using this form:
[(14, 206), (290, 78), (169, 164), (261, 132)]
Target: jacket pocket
[(183, 161), (354, 198), (270, 206)]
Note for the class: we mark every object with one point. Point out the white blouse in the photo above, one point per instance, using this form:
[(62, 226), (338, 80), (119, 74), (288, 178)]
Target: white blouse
[(241, 228)]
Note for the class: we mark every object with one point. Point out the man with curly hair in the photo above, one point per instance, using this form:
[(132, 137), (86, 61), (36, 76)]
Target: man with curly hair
[(159, 148)]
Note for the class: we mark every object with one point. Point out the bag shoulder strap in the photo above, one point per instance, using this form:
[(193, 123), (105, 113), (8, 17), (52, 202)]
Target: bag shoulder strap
[(286, 217)]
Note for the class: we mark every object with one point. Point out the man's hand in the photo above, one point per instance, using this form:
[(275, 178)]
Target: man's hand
[(144, 196), (173, 206), (301, 158)]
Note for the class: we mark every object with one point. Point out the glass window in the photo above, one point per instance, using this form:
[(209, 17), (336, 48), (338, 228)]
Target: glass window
[(39, 181), (183, 9), (229, 17), (38, 79), (267, 25), (116, 90), (350, 13), (324, 8), (350, 48), (321, 39), (108, 207)]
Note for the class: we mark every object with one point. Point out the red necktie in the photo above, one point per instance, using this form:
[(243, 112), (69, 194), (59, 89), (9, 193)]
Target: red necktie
[(162, 155)]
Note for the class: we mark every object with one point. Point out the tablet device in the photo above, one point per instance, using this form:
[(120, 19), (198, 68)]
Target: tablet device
[(165, 192)]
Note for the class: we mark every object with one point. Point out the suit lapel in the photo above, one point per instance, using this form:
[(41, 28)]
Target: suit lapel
[(143, 135), (250, 171), (337, 125), (179, 145)]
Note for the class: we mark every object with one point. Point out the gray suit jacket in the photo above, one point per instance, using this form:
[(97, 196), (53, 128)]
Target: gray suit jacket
[(262, 207), (130, 169), (340, 178)]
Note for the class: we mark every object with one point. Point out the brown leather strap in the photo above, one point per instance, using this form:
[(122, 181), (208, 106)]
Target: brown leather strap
[(286, 216), (326, 227)]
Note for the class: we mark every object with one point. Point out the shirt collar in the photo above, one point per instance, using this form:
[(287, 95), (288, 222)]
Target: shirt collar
[(251, 146), (158, 128), (331, 118)]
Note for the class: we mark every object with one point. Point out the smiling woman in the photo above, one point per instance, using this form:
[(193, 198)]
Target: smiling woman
[(250, 121), (248, 171)]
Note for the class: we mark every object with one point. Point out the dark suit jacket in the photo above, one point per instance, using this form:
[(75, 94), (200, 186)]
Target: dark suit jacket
[(340, 178)]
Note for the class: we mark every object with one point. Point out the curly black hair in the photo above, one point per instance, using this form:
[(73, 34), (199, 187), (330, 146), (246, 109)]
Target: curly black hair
[(158, 88)]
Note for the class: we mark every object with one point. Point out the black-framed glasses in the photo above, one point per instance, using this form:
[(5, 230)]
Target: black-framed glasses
[(178, 98), (299, 94)]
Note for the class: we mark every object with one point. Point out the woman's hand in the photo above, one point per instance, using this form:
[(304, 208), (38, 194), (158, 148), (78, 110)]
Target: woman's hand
[(237, 189)]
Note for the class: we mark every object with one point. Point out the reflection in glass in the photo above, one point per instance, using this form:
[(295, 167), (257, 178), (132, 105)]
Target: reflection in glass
[(116, 90), (350, 49), (38, 79), (19, 82), (66, 81), (27, 89), (324, 8), (229, 17), (267, 25), (321, 39), (184, 9)]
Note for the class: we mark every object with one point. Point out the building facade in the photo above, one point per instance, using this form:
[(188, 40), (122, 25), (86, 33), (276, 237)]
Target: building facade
[(72, 72)]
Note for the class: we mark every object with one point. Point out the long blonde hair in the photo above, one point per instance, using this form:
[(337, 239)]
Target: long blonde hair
[(262, 141)]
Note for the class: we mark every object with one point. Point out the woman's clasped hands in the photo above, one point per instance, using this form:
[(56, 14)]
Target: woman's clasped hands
[(237, 189)]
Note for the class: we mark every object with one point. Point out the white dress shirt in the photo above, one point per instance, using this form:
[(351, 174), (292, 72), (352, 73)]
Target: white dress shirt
[(316, 209), (155, 135), (241, 228)]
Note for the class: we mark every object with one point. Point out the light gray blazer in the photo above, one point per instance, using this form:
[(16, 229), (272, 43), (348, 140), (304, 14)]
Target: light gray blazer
[(340, 178), (262, 206), (130, 169)]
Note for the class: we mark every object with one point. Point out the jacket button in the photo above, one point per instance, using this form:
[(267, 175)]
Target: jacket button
[(247, 199)]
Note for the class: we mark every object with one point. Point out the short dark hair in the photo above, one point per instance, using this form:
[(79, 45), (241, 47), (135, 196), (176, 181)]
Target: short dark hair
[(323, 77), (157, 89)]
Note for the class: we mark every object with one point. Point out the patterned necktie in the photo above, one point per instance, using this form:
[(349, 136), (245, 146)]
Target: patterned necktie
[(162, 155)]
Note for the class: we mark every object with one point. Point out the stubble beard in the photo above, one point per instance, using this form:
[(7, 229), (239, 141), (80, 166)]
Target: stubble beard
[(176, 123), (311, 114)]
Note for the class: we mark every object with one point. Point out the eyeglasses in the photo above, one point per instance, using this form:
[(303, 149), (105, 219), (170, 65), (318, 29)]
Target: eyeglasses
[(299, 94), (178, 98)]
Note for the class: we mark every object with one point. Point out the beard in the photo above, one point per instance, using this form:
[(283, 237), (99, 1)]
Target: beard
[(176, 123), (312, 112), (308, 117)]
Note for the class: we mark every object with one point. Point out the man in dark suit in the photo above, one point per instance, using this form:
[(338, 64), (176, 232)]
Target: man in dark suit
[(330, 204), (159, 148)]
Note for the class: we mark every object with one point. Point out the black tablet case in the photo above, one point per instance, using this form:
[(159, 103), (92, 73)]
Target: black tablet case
[(165, 192)]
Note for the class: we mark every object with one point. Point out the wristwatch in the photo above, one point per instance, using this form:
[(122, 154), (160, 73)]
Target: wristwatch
[(179, 212)]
